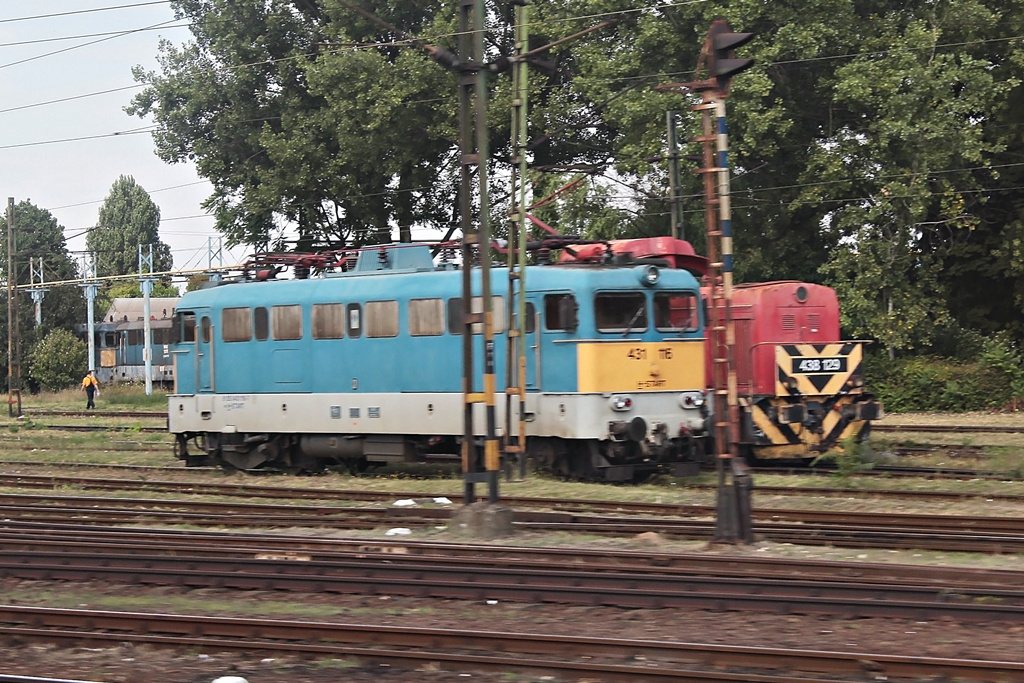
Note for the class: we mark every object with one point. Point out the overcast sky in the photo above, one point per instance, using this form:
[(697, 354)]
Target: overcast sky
[(65, 155)]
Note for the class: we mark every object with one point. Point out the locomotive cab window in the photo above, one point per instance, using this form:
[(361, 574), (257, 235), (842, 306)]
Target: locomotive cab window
[(426, 317), (262, 323), (328, 321), (382, 319), (622, 312), (561, 312), (206, 327), (286, 322), (531, 318), (675, 312), (236, 324), (184, 328)]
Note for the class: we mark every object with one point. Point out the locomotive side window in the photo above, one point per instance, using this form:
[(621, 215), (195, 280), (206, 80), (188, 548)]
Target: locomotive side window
[(134, 337), (184, 330), (455, 316), (354, 320), (162, 336), (382, 319), (262, 323), (531, 317), (620, 312), (328, 321), (206, 327), (560, 312), (236, 324), (675, 312), (286, 322), (426, 317)]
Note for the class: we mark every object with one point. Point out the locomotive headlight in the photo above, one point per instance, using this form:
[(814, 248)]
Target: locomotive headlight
[(621, 402), (691, 399), (648, 275)]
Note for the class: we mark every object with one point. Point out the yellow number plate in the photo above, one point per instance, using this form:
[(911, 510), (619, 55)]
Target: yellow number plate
[(640, 366)]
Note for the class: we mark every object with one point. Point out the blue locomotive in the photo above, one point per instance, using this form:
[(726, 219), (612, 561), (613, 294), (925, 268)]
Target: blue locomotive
[(363, 367)]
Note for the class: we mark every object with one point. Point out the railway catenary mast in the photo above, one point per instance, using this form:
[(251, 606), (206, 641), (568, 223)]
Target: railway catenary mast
[(734, 514)]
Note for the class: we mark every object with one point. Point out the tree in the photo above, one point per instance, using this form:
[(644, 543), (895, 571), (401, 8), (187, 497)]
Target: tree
[(37, 235), (59, 360), (298, 127), (874, 146), (128, 218)]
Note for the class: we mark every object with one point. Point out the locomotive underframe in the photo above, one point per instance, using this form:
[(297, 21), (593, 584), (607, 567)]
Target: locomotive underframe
[(806, 426), (574, 435)]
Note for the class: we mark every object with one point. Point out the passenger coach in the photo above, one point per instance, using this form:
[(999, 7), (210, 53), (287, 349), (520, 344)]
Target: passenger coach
[(364, 367)]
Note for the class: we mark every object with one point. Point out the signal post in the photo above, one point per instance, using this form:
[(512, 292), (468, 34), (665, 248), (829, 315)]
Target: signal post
[(733, 521)]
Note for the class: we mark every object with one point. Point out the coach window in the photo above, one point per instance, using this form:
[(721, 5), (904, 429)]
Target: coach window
[(207, 329), (623, 312), (286, 322), (560, 312), (236, 324), (455, 317), (354, 320), (426, 317), (382, 319), (675, 312), (328, 321), (262, 323)]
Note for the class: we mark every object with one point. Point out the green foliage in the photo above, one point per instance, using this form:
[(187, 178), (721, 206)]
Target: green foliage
[(875, 146), (850, 458), (38, 236), (928, 384), (128, 218), (59, 361), (1001, 356)]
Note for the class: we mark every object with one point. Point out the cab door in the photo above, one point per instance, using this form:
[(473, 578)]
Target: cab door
[(204, 352)]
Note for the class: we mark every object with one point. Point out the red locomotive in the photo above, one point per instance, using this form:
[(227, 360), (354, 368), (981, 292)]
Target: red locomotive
[(800, 386)]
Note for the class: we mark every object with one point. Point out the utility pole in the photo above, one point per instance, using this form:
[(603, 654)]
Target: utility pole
[(146, 281), (13, 342), (215, 257), (733, 522), (476, 243), (37, 291), (515, 358), (674, 199), (89, 288)]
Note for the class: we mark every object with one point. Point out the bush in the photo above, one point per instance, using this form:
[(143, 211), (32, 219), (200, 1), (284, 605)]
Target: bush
[(59, 361), (929, 384)]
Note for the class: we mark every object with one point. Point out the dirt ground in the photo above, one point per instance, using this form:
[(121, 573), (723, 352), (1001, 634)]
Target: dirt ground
[(130, 664)]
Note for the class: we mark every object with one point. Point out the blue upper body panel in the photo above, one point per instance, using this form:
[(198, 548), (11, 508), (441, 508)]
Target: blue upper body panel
[(401, 363)]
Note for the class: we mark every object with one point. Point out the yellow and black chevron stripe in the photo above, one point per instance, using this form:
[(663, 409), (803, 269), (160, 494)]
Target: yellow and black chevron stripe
[(816, 369), (832, 424)]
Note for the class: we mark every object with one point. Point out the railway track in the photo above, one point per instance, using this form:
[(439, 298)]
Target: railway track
[(260, 491), (695, 522), (610, 659), (512, 576), (938, 429)]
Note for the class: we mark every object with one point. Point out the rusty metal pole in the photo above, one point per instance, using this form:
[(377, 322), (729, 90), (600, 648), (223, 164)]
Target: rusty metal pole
[(515, 365), (473, 137), (740, 472)]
